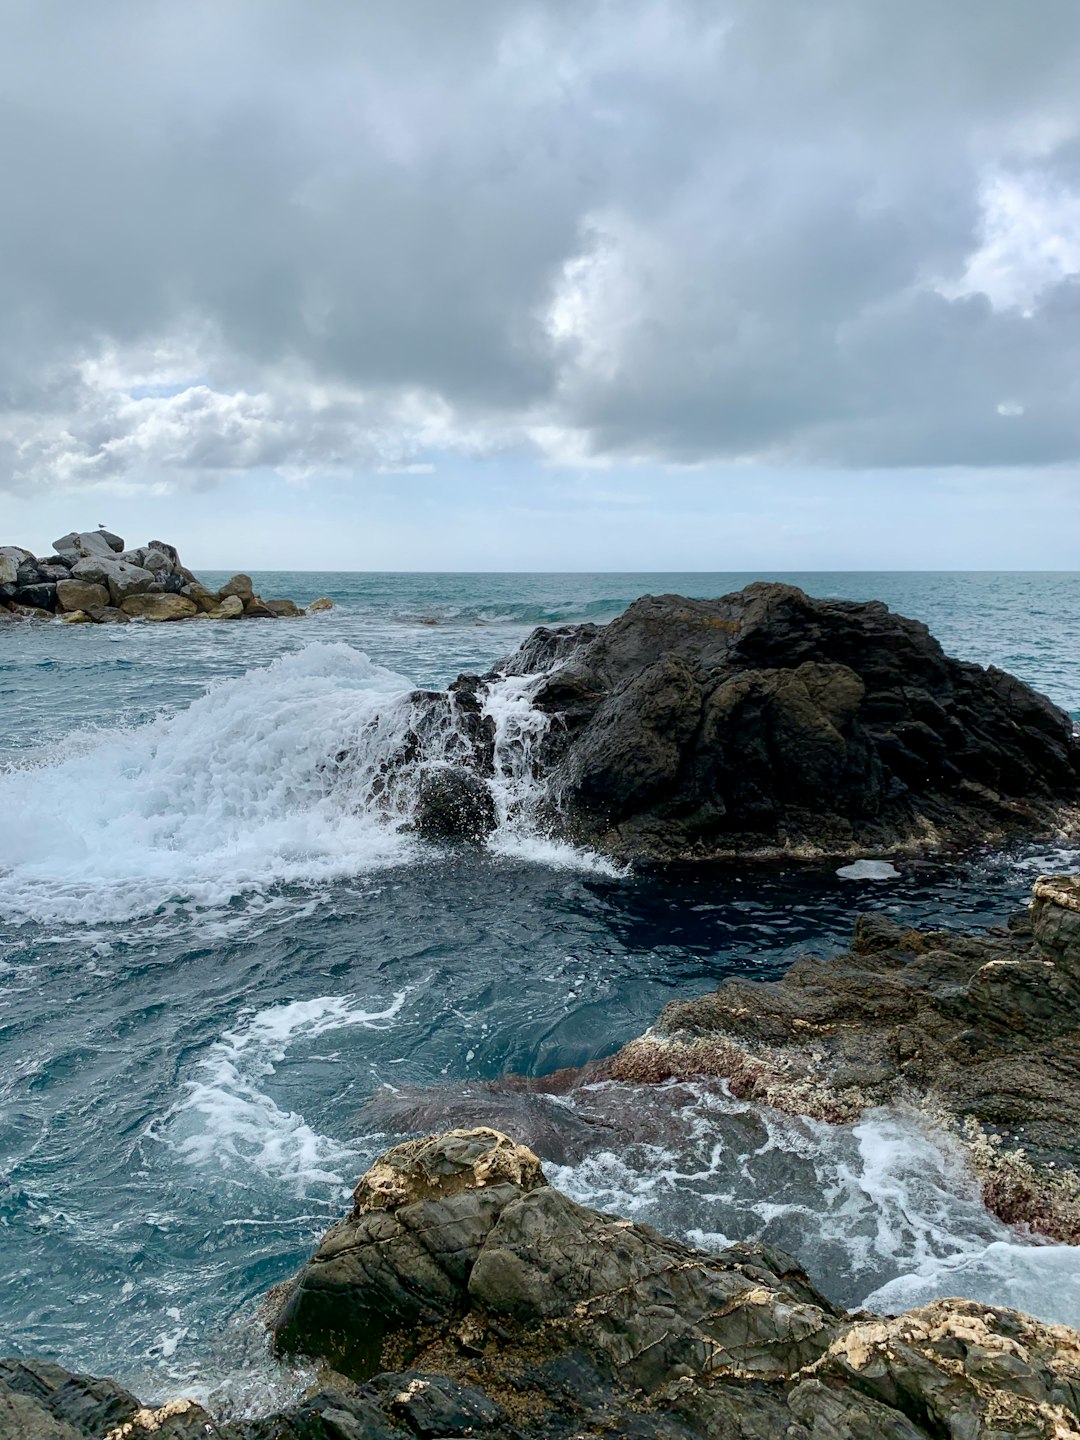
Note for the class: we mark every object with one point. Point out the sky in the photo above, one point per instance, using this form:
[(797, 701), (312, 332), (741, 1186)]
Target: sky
[(544, 284)]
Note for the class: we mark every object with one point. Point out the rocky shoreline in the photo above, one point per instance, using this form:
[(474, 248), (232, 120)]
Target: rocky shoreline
[(464, 1295), (92, 579)]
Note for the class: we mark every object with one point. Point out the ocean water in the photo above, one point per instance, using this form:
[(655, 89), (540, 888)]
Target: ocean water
[(221, 968)]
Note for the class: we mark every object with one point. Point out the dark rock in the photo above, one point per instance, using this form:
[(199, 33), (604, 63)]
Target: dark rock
[(769, 723), (982, 1028), (89, 1406), (39, 597), (453, 804), (254, 609)]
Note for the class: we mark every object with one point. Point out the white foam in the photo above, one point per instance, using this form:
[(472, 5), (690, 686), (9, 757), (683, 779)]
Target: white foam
[(885, 1213), (227, 1122), (238, 792)]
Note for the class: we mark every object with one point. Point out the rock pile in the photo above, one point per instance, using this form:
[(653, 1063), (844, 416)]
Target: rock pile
[(768, 723), (92, 579), (464, 1295)]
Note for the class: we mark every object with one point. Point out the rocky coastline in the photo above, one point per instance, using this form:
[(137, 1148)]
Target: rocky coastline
[(463, 1295), (91, 579), (762, 724)]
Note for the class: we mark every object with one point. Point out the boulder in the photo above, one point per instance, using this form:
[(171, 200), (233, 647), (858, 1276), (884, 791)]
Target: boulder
[(205, 599), (240, 586), (254, 609), (28, 612), (76, 617), (80, 595), (11, 557), (38, 596), (89, 542), (283, 609), (453, 804), (317, 606), (120, 578), (158, 607), (231, 608)]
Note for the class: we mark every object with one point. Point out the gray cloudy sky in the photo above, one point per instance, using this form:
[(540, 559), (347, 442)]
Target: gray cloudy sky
[(491, 282)]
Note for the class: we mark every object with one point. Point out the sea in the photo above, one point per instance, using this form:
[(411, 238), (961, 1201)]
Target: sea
[(222, 968)]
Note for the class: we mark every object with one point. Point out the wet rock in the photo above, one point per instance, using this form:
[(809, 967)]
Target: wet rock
[(76, 1404), (283, 609), (158, 607), (767, 723), (980, 1029), (107, 615), (254, 609), (77, 617), (80, 595), (322, 603), (453, 804)]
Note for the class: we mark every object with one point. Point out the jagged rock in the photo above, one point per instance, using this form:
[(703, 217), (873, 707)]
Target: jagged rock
[(79, 1404), (158, 607), (768, 723), (322, 603), (77, 617), (453, 804), (27, 612), (240, 586), (984, 1029), (457, 1249), (80, 595), (283, 608)]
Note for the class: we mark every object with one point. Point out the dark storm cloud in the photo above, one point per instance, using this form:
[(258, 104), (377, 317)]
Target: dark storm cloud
[(304, 236)]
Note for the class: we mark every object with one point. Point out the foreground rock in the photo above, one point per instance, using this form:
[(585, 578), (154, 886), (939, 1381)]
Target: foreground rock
[(92, 579), (464, 1295), (980, 1031), (769, 723)]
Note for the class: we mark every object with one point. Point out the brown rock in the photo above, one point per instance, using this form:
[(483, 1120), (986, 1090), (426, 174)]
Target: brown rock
[(323, 603), (158, 607), (254, 609), (239, 585), (283, 609), (80, 595)]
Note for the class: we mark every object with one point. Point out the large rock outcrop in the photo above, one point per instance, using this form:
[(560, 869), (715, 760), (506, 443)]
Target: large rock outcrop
[(980, 1031), (92, 579), (464, 1295), (767, 722)]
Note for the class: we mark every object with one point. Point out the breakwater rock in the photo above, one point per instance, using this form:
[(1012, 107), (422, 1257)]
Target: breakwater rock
[(92, 579), (768, 723), (979, 1031), (464, 1295)]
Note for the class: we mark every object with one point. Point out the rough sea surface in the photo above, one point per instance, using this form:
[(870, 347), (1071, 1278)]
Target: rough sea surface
[(213, 954)]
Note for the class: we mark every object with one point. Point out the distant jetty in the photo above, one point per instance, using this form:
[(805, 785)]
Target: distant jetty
[(92, 579)]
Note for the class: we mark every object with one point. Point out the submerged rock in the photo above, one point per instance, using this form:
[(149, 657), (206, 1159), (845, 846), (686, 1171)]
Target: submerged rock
[(770, 723), (979, 1030)]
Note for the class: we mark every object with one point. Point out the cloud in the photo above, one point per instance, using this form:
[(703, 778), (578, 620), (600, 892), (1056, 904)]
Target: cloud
[(341, 237)]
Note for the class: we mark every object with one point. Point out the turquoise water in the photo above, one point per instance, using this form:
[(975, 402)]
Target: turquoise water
[(212, 955)]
